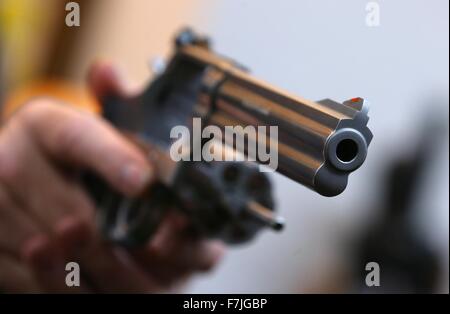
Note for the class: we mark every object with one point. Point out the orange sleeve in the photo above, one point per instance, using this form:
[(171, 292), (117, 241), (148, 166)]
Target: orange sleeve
[(78, 96)]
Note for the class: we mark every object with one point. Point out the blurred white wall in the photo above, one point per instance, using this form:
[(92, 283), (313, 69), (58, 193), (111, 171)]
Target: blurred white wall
[(324, 49)]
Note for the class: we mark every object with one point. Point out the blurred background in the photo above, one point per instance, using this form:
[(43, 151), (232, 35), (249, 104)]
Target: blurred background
[(395, 210)]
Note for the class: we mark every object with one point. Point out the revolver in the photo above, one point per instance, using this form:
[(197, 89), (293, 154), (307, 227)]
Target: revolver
[(318, 144)]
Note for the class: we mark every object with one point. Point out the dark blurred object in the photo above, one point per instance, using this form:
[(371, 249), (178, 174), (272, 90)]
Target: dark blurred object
[(407, 262)]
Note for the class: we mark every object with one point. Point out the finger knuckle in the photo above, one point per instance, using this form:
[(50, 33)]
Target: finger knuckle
[(79, 204), (9, 166), (35, 111), (68, 138), (4, 202)]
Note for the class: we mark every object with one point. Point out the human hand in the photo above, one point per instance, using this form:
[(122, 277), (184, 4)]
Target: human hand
[(47, 219)]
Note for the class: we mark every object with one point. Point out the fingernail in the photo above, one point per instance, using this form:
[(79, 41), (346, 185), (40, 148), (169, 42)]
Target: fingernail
[(135, 178)]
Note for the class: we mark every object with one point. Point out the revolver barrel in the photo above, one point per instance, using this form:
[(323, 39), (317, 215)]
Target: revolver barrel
[(319, 143)]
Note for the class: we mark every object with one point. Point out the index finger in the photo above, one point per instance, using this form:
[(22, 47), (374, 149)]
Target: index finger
[(79, 137)]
